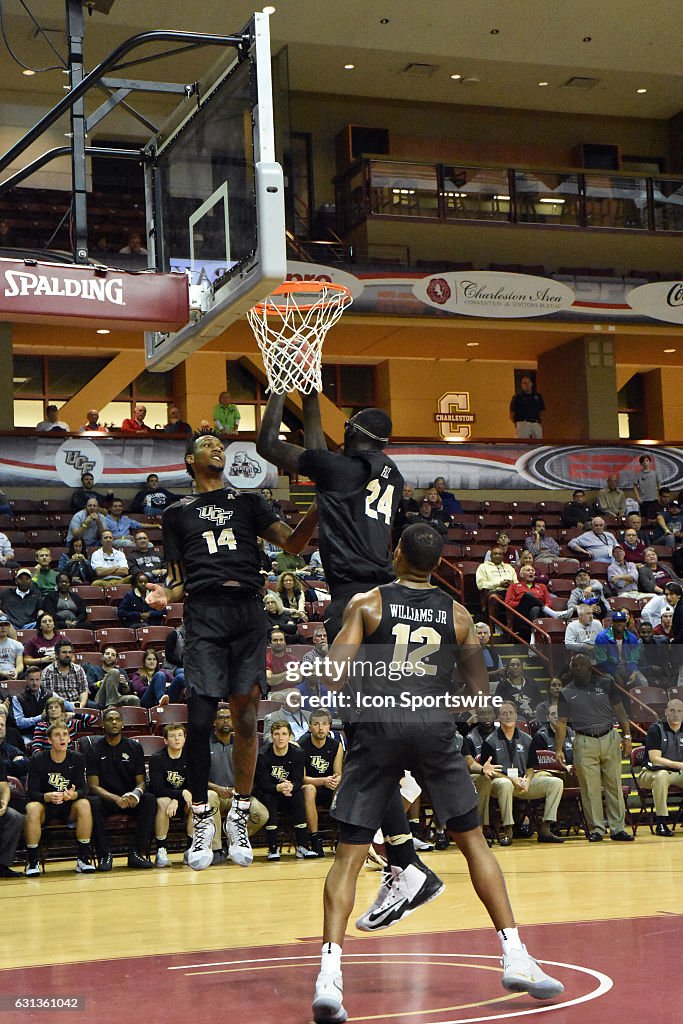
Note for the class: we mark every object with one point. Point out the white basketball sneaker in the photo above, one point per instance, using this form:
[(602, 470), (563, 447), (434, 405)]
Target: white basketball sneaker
[(327, 1001), (400, 894), (236, 830), (200, 854), (521, 973)]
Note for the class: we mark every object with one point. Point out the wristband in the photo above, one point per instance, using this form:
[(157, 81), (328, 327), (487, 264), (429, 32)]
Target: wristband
[(625, 736), (137, 792)]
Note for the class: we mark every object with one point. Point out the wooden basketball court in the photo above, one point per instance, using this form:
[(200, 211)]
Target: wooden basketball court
[(174, 945)]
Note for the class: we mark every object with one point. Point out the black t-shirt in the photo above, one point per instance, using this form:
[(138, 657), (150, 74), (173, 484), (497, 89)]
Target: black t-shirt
[(215, 537), (116, 766), (319, 760), (527, 407), (145, 561), (167, 775), (271, 769), (48, 776), (358, 498)]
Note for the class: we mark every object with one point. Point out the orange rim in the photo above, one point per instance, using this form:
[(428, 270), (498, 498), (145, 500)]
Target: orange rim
[(268, 305)]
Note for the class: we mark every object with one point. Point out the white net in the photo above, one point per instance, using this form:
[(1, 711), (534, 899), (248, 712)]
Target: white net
[(290, 328)]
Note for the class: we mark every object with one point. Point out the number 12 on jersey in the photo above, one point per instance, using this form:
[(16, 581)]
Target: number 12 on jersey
[(377, 504), (225, 539)]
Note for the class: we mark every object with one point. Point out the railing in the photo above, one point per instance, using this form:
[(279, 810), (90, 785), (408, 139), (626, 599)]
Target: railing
[(551, 198), (502, 621)]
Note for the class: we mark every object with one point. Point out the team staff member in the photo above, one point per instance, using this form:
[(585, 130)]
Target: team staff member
[(664, 767), (324, 755), (525, 410), (211, 544), (425, 743), (591, 701)]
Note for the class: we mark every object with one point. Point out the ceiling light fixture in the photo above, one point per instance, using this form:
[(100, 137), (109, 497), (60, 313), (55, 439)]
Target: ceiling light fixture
[(641, 91), (103, 330), (269, 10), (505, 199), (669, 350), (28, 72), (456, 78), (543, 83), (472, 344), (349, 67)]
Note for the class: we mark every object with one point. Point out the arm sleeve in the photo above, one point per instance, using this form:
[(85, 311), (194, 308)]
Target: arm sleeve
[(157, 782), (487, 752), (331, 471), (562, 706), (298, 765), (264, 780), (35, 780), (136, 503), (79, 776), (653, 740), (468, 748)]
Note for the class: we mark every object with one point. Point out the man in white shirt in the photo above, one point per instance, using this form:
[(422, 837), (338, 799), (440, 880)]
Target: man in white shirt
[(110, 564), (495, 575), (52, 421), (88, 524), (7, 553), (581, 632), (595, 544), (11, 652)]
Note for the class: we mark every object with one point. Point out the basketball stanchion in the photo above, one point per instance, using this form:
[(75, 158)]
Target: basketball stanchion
[(290, 327)]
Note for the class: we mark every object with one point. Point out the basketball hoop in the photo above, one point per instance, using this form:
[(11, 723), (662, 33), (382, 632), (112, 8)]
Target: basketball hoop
[(290, 327)]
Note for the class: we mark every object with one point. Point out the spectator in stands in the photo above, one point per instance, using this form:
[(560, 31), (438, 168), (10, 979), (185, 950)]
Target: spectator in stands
[(438, 510), (57, 791), (663, 630), (96, 673), (174, 660), (634, 521), (292, 595), (92, 423), (664, 768), (12, 757), (279, 785), (44, 577), (653, 577), (618, 651), (656, 662), (587, 591), (108, 564), (11, 827), (510, 748), (176, 424), (526, 558), (277, 616), (87, 525), (154, 685), (58, 710), (451, 505), (622, 576), (65, 606), (408, 509), (152, 499), (652, 611), (115, 767), (633, 546), (590, 701), (222, 774), (75, 562), (673, 593), (143, 557), (510, 553), (494, 576), (493, 660), (27, 707), (134, 611), (278, 658), (226, 416), (292, 713), (526, 408), (427, 515), (135, 424), (121, 525), (114, 691), (515, 687), (646, 486), (276, 507), (543, 548), (7, 553), (669, 523), (530, 599), (21, 603), (482, 774), (312, 687), (595, 544), (581, 633), (285, 561), (11, 652), (65, 679), (7, 237), (611, 499), (576, 513), (5, 507), (80, 496), (39, 649), (545, 738), (315, 566), (134, 246), (541, 712), (52, 422), (324, 759), (167, 782)]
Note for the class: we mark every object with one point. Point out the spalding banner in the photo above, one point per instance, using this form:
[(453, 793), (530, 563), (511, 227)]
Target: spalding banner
[(56, 293)]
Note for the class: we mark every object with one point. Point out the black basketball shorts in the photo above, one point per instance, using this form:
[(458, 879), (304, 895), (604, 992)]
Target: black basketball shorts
[(378, 757), (225, 644)]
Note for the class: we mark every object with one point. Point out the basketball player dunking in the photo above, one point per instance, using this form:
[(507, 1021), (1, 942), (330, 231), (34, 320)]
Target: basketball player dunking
[(410, 621), (211, 544), (357, 494)]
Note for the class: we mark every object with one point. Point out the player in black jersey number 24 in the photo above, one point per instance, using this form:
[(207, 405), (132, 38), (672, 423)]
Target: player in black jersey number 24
[(384, 744), (211, 545)]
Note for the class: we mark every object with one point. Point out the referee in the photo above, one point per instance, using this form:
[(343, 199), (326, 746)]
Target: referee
[(525, 410), (590, 702)]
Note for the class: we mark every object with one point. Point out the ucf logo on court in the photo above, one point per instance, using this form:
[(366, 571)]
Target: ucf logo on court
[(217, 515)]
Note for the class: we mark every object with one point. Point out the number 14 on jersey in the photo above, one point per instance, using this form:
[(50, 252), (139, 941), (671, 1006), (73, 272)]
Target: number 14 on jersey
[(225, 539)]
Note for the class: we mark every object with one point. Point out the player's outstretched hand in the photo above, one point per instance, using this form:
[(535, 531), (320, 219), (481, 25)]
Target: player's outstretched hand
[(156, 596)]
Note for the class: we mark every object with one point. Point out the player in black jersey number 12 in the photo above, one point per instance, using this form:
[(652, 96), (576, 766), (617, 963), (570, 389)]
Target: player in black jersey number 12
[(211, 546)]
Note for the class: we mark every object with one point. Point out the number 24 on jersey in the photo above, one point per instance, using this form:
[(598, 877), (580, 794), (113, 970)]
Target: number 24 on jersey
[(378, 503)]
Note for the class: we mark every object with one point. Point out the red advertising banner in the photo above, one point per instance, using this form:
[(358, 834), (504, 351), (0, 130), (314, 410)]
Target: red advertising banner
[(54, 293)]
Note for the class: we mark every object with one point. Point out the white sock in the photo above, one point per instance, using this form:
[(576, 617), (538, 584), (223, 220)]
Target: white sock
[(200, 808), (551, 612), (509, 940), (330, 961)]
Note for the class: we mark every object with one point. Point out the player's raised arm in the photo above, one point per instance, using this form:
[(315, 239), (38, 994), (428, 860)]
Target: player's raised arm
[(470, 656), (293, 540), (361, 618), (268, 443)]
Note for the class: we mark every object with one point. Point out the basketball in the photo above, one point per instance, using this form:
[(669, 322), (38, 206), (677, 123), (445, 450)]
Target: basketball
[(301, 354)]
